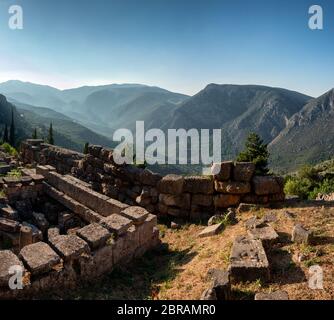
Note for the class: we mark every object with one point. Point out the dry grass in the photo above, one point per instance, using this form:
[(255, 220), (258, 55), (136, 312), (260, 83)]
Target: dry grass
[(179, 269)]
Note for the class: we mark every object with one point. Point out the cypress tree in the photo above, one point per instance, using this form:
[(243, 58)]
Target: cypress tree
[(50, 137), (5, 134), (12, 140), (257, 152), (34, 135), (85, 150)]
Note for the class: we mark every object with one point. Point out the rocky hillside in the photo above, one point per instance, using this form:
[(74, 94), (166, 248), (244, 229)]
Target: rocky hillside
[(308, 136)]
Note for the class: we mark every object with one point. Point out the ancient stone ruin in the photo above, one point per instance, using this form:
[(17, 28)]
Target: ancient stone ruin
[(72, 217)]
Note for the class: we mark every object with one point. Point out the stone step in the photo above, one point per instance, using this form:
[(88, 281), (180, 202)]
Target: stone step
[(93, 200)]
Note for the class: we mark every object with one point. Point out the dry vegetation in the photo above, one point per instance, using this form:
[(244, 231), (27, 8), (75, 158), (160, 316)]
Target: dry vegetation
[(178, 270)]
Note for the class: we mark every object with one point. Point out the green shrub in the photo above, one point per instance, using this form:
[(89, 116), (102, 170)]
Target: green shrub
[(9, 149), (327, 186), (299, 187)]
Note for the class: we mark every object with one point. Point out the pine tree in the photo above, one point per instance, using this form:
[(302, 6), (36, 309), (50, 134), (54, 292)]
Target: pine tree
[(85, 150), (50, 136), (257, 152), (34, 135), (12, 139), (5, 134)]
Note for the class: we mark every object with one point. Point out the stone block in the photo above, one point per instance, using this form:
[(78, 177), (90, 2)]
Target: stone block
[(226, 200), (248, 260), (232, 187), (211, 230), (8, 212), (7, 260), (266, 185), (198, 184), (301, 235), (222, 171), (39, 258), (209, 294), (149, 178), (95, 235), (221, 283), (171, 184), (243, 171), (265, 233), (181, 201), (116, 223), (8, 225), (69, 247), (137, 214), (202, 200)]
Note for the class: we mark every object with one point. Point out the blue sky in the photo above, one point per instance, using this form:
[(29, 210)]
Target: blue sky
[(181, 45)]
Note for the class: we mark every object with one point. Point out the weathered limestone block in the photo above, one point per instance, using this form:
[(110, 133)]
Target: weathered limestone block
[(86, 214), (8, 225), (209, 294), (226, 200), (89, 198), (222, 171), (232, 187), (149, 178), (95, 235), (245, 207), (7, 260), (301, 235), (243, 171), (69, 247), (52, 233), (221, 283), (137, 214), (211, 230), (181, 201), (265, 233), (146, 229), (276, 295), (26, 236), (116, 223), (198, 184), (8, 212), (248, 260), (171, 184), (39, 258), (36, 233), (178, 212), (202, 200), (266, 185), (255, 199)]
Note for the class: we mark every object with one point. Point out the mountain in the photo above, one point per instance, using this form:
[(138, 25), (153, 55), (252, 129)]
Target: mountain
[(237, 110), (67, 133), (308, 136), (100, 108)]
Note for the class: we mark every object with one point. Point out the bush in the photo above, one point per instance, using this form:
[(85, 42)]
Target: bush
[(300, 187), (327, 186), (9, 149)]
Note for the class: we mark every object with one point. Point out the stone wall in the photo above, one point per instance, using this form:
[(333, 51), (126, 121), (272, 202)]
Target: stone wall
[(112, 233), (67, 260), (188, 197)]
